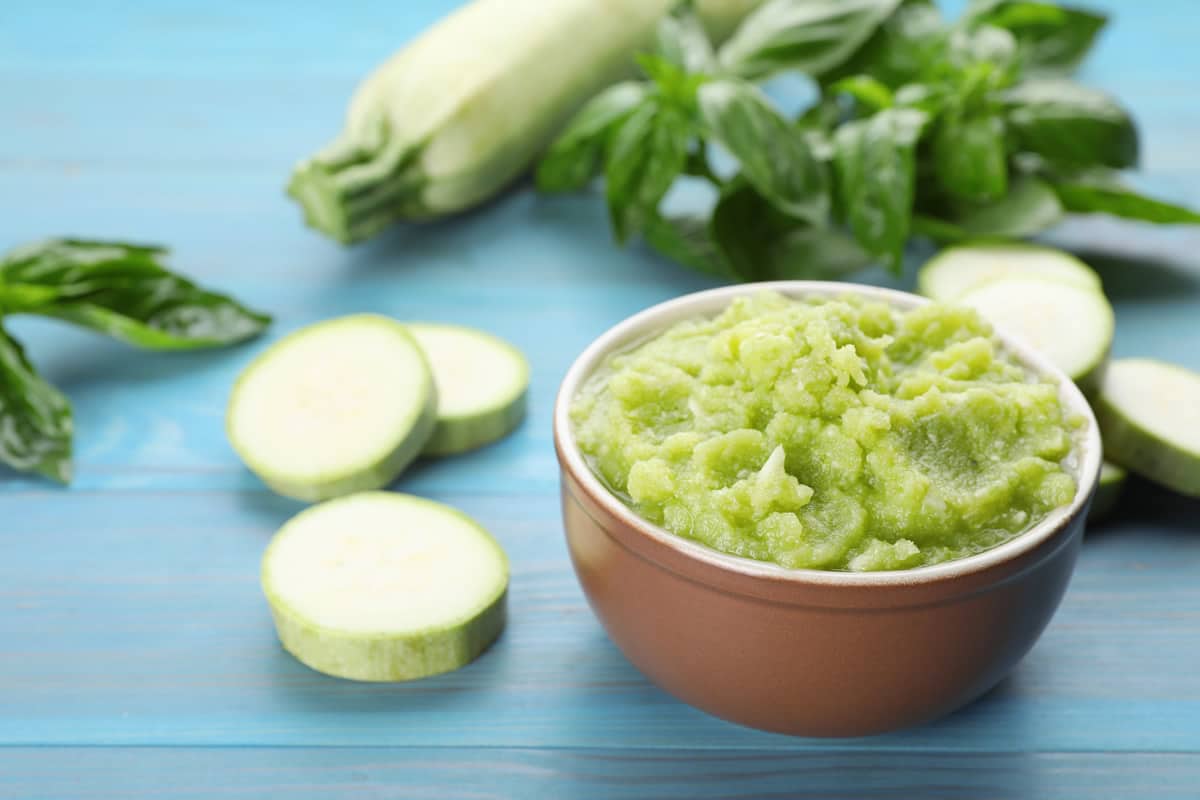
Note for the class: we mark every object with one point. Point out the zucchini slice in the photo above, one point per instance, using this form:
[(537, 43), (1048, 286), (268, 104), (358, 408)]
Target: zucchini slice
[(1149, 414), (482, 382), (380, 586), (1071, 325), (957, 270), (334, 408)]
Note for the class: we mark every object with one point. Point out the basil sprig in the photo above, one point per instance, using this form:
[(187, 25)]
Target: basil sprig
[(922, 127), (121, 290)]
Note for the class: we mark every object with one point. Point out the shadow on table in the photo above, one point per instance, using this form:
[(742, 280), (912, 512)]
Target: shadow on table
[(301, 689), (1144, 504), (1127, 276), (651, 745)]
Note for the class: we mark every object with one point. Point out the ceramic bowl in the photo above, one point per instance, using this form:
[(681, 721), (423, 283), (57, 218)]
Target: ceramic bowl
[(801, 651)]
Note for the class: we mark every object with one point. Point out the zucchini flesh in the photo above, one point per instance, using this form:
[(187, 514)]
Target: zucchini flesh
[(385, 587), (1149, 414), (1072, 326), (482, 384), (334, 408), (957, 270)]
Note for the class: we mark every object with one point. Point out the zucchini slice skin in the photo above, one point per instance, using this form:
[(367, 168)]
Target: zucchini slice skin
[(1149, 415), (357, 642), (337, 407), (483, 386)]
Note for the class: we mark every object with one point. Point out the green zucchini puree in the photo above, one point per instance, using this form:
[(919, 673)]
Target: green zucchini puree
[(829, 434)]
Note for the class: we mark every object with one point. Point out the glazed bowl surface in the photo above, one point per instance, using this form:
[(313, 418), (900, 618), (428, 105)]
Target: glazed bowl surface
[(801, 651)]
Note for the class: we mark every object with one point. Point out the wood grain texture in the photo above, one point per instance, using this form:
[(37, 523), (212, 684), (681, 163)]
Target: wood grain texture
[(504, 773), (135, 618), (136, 654)]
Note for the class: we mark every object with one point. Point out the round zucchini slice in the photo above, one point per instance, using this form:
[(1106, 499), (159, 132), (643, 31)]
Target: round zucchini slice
[(338, 407), (379, 586), (1149, 414), (482, 382), (957, 270)]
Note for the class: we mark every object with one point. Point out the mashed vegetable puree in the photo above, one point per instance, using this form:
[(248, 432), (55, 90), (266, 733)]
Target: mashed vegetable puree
[(831, 434)]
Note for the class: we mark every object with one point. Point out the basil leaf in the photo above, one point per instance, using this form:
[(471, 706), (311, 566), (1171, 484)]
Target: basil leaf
[(124, 291), (647, 154), (1066, 123), (929, 99), (1052, 39), (822, 116), (870, 93), (574, 158), (875, 166), (35, 418), (1030, 207), (1100, 191), (686, 239), (904, 49), (764, 245), (983, 45), (773, 158), (969, 156), (811, 36), (681, 39)]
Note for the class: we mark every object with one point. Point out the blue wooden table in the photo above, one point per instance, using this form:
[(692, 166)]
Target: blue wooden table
[(137, 658)]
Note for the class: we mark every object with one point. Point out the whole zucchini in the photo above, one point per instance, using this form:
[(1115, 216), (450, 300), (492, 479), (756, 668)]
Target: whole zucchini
[(449, 120)]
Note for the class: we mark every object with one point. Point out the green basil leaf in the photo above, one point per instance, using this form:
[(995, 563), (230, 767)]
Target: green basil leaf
[(575, 157), (124, 291), (681, 39), (1101, 191), (822, 116), (1069, 124), (763, 245), (35, 418), (647, 153), (773, 158), (977, 64), (875, 166), (687, 240), (969, 156), (673, 85), (810, 36), (922, 97), (1052, 39), (1030, 207), (984, 44), (869, 92), (904, 49)]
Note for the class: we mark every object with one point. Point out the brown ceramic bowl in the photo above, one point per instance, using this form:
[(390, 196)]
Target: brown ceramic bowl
[(811, 652)]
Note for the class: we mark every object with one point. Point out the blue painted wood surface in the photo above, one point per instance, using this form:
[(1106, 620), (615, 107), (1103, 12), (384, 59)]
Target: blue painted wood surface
[(136, 653)]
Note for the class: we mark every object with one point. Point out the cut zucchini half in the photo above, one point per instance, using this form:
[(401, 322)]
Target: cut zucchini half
[(380, 586), (1070, 325), (1149, 414), (1108, 490), (482, 382), (334, 408), (957, 270)]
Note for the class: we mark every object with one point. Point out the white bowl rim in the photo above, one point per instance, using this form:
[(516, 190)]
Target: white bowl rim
[(658, 317)]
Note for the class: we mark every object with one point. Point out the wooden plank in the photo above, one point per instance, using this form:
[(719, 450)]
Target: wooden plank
[(531, 774), (135, 618)]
